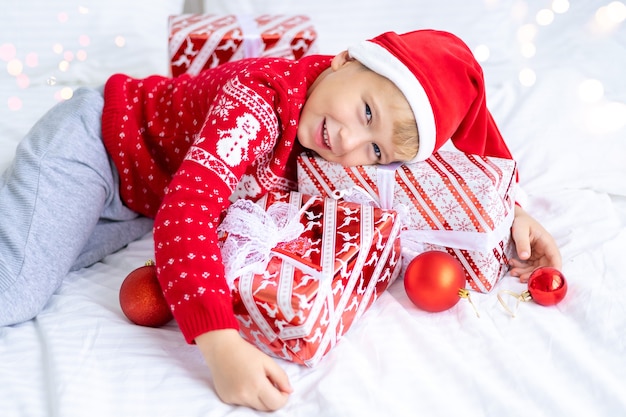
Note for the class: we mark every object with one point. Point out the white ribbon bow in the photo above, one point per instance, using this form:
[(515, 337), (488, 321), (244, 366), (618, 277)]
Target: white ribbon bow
[(253, 232)]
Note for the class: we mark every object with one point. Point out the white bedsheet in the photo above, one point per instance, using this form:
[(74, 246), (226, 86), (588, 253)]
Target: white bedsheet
[(81, 357)]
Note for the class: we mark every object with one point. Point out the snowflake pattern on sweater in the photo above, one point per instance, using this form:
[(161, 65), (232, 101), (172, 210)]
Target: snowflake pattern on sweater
[(187, 146)]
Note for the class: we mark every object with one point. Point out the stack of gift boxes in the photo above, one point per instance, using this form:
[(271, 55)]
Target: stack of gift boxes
[(361, 226)]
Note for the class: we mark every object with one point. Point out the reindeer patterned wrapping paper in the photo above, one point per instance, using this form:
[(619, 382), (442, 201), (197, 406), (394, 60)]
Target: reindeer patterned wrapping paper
[(459, 203), (201, 41), (311, 289)]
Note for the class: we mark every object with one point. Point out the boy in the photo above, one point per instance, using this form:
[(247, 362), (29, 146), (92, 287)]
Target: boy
[(92, 173)]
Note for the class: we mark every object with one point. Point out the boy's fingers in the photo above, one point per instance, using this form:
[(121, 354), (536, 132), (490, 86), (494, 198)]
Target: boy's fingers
[(521, 237), (272, 398), (275, 393), (278, 377)]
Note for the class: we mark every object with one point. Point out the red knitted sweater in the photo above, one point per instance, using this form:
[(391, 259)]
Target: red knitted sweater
[(186, 146)]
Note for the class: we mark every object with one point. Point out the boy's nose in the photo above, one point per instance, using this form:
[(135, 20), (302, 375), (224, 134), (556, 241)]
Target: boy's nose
[(351, 139)]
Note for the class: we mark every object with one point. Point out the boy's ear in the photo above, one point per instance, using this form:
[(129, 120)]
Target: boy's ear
[(340, 60)]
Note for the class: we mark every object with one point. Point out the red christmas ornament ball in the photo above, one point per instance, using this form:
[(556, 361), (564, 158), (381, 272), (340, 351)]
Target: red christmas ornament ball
[(142, 299), (433, 280), (547, 286)]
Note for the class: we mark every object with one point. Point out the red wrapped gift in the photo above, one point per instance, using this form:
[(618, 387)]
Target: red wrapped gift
[(201, 41), (302, 269), (459, 203)]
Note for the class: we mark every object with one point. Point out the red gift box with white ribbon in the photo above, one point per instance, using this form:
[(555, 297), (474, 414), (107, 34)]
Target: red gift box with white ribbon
[(201, 41), (302, 269), (455, 202)]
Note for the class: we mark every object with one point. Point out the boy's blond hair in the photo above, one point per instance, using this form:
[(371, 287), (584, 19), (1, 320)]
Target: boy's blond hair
[(405, 137)]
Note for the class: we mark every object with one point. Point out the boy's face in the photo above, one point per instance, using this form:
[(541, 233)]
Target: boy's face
[(349, 115)]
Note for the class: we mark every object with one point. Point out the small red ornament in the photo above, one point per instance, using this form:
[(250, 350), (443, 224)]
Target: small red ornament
[(142, 300), (546, 286), (435, 281)]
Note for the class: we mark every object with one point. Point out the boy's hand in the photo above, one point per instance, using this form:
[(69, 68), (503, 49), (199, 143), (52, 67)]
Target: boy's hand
[(535, 246), (243, 375)]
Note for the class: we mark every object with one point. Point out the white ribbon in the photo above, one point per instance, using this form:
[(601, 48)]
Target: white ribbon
[(253, 232), (386, 182), (472, 241), (252, 42)]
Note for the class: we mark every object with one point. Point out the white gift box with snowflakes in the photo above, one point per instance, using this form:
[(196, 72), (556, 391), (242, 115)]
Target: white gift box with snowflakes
[(459, 203)]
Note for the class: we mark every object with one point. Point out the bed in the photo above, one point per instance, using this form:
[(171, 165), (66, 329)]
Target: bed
[(555, 80)]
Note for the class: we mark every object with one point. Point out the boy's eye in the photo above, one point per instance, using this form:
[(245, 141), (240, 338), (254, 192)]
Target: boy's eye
[(368, 113), (377, 151)]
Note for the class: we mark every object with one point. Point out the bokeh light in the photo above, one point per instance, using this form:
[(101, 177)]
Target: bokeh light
[(120, 41), (527, 33), (544, 17), (66, 93), (482, 53), (7, 52), (609, 17), (64, 66), (617, 11), (22, 80), (527, 77), (15, 67), (32, 60), (84, 40), (14, 103), (528, 49), (560, 6)]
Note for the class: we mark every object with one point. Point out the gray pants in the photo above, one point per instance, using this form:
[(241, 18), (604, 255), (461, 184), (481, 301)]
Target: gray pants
[(60, 208)]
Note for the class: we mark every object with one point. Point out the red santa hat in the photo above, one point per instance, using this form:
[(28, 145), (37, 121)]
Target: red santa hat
[(444, 85)]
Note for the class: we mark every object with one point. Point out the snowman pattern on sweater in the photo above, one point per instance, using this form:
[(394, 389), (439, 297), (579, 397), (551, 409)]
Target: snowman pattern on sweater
[(233, 142)]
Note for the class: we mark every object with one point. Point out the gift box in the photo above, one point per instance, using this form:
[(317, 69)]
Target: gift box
[(201, 41), (455, 202), (302, 269)]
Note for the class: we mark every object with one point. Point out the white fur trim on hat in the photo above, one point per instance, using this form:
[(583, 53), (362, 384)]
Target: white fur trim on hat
[(383, 62)]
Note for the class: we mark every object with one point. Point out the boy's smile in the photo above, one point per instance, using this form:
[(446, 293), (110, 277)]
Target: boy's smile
[(349, 115)]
